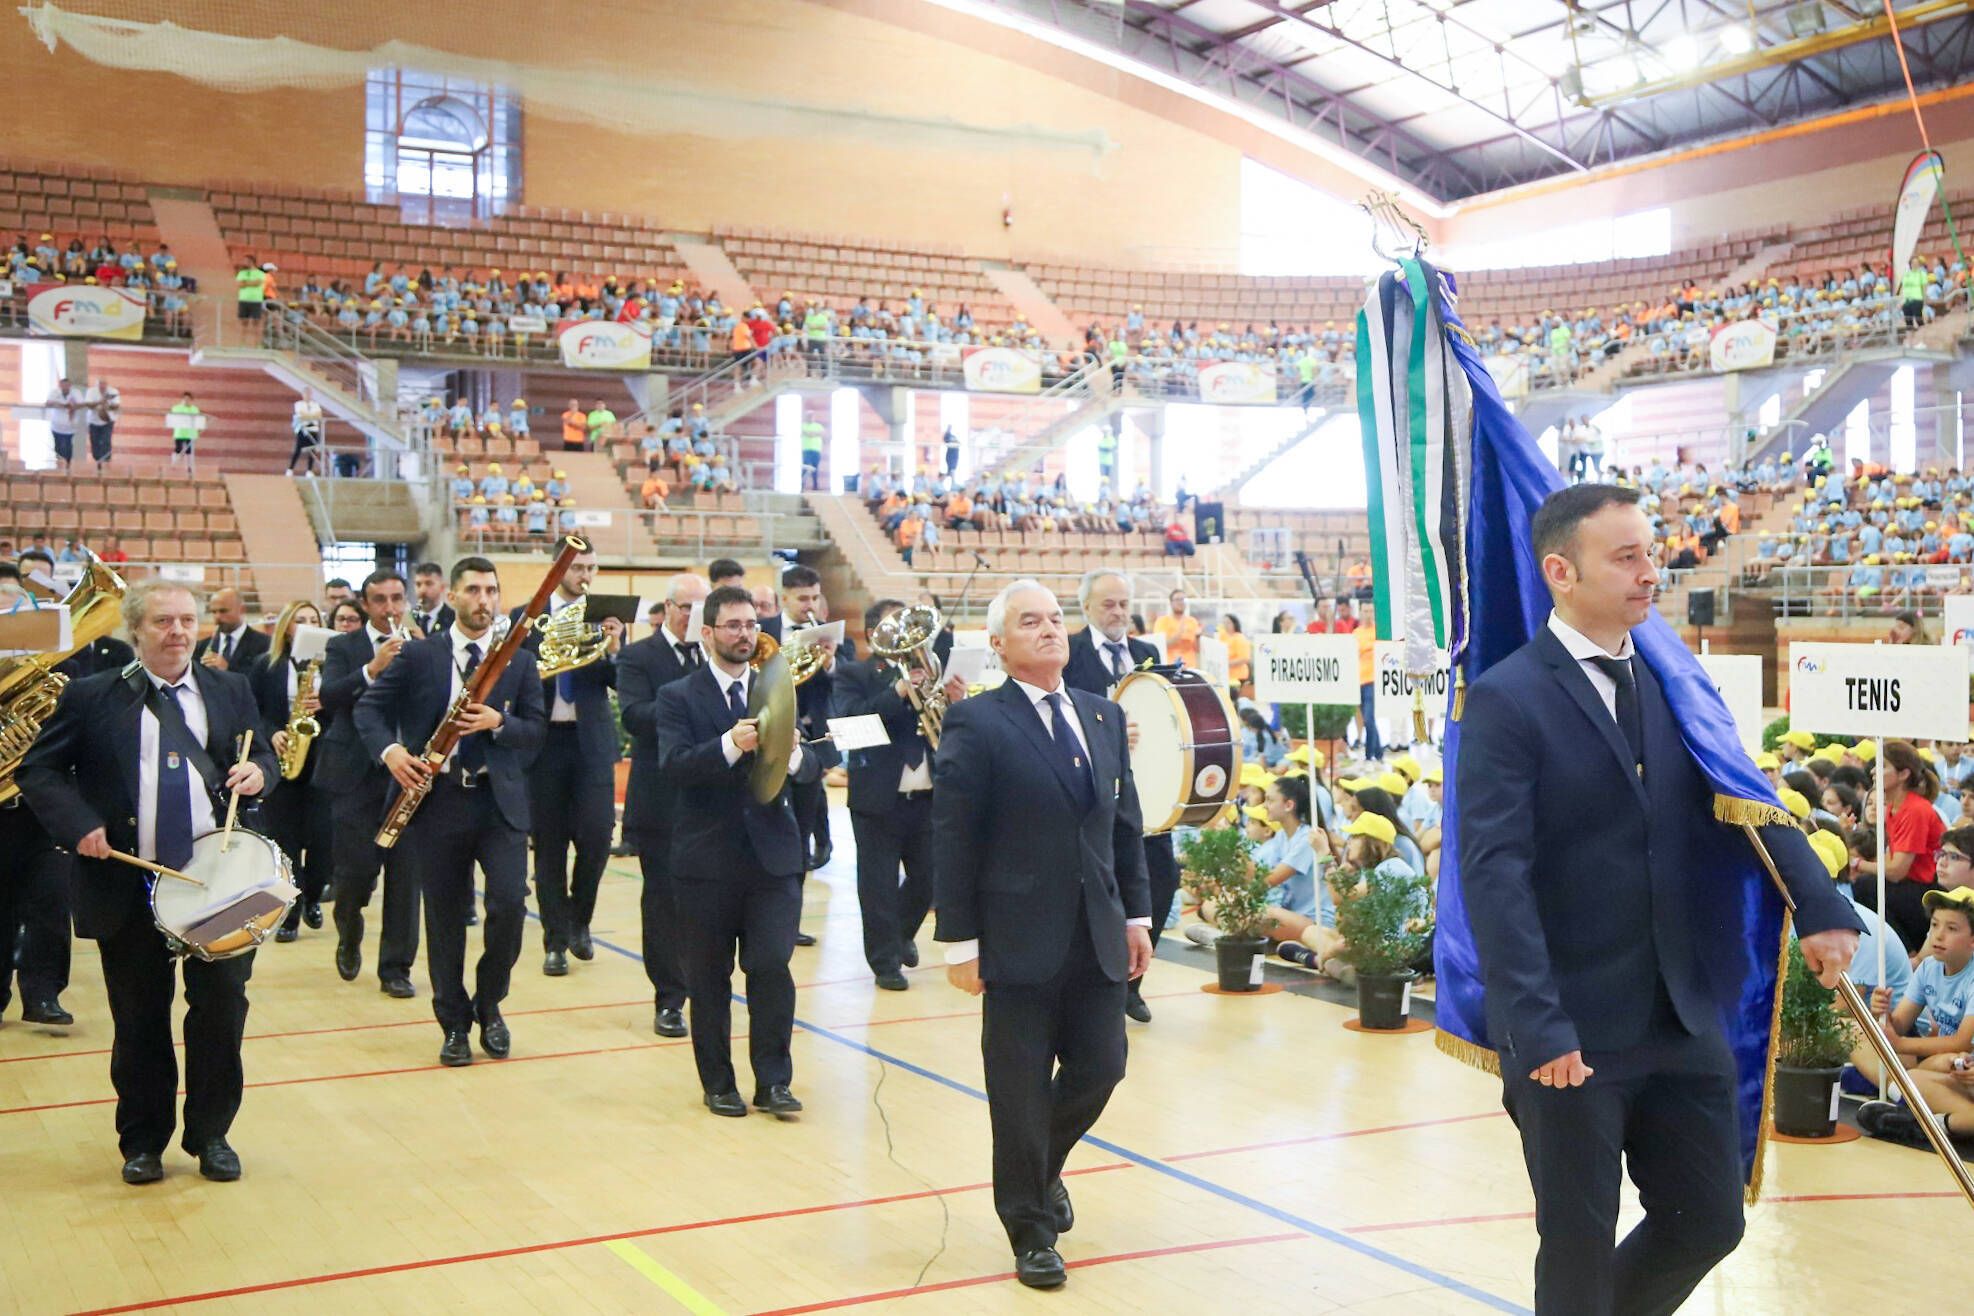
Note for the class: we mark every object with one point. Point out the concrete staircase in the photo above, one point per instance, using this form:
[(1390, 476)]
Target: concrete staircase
[(373, 511), (275, 531), (597, 487), (1231, 490), (1029, 301), (711, 269)]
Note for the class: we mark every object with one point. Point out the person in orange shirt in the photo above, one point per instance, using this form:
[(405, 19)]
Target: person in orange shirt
[(908, 532), (1367, 684), (575, 425), (1240, 651), (1360, 576), (959, 511), (1181, 631), (655, 490)]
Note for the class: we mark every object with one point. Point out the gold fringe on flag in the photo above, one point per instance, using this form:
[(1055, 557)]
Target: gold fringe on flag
[(1754, 1189), (1467, 1053), (1736, 812)]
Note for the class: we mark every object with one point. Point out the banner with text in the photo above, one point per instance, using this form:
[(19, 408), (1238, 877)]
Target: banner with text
[(1738, 677), (604, 345), (1305, 669), (1743, 345), (1236, 381), (85, 312), (1905, 690), (1001, 370), (1396, 686)]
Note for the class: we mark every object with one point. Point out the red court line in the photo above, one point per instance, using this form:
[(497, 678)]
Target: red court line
[(1332, 1137), (1445, 1220), (1854, 1197), (999, 1277)]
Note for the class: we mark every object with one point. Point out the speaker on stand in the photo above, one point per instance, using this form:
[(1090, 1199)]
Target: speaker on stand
[(1700, 614)]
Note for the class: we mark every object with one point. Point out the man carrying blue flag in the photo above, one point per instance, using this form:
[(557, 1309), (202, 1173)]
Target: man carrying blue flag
[(1620, 957)]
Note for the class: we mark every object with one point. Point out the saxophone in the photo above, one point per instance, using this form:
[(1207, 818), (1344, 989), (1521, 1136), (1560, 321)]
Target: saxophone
[(302, 727)]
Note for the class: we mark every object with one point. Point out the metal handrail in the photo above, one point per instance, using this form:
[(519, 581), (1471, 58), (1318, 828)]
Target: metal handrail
[(1823, 591), (615, 533)]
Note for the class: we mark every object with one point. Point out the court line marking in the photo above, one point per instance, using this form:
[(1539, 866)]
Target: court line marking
[(646, 1265), (1347, 1133)]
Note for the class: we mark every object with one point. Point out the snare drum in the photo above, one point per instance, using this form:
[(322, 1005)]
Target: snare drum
[(247, 892), (1188, 758)]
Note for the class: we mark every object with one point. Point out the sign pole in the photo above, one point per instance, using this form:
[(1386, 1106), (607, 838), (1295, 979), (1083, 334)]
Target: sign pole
[(1309, 725), (1878, 766)]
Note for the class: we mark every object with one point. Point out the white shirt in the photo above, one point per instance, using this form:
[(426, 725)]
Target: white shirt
[(60, 418), (730, 751), (1582, 648), (111, 402), (194, 705), (378, 639), (460, 658), (960, 952), (307, 411), (226, 643), (559, 709)]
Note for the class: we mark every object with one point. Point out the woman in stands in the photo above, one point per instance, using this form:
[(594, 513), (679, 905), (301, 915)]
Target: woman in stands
[(1912, 839), (297, 816)]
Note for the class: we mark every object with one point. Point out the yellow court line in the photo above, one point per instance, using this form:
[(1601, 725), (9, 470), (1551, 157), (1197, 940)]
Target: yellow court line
[(681, 1292)]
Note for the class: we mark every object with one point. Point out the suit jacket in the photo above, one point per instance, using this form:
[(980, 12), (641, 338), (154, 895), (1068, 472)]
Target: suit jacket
[(108, 654), (441, 622), (643, 669), (590, 687), (871, 688), (342, 765), (1584, 885), (719, 831), (269, 681), (82, 773), (252, 644), (1089, 667), (408, 701), (1012, 857)]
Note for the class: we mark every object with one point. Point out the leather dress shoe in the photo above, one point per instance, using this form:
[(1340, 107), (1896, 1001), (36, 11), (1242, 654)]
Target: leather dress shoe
[(820, 859), (1135, 1007), (1040, 1268), (581, 946), (804, 939), (892, 981), (555, 964), (312, 913), (398, 989), (776, 1099), (908, 955), (458, 1048), (726, 1103), (49, 1013), (670, 1022), (494, 1037), (1060, 1211), (349, 961), (218, 1162), (284, 933), (144, 1167)]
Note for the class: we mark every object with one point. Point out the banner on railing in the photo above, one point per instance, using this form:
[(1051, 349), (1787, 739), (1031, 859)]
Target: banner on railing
[(1001, 370), (527, 324), (1742, 345), (604, 345), (1236, 382), (85, 312)]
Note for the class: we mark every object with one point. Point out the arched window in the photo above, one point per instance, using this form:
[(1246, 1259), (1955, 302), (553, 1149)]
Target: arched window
[(449, 151)]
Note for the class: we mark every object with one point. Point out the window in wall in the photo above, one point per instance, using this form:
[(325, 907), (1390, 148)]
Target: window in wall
[(1770, 414), (1857, 434), (1904, 435), (447, 150)]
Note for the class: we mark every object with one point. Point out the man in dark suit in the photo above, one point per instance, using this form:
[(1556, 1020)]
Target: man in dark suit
[(430, 612), (136, 761), (233, 645), (737, 863), (890, 804), (1606, 953), (643, 669), (355, 783), (1039, 866), (477, 811), (767, 610), (572, 785), (1103, 653)]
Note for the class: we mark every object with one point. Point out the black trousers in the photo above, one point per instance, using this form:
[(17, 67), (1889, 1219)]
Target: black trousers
[(1052, 1053), (300, 819), (141, 978), (1162, 872), (659, 907), (811, 801), (453, 830), (357, 857), (34, 909), (893, 911), (1666, 1108), (571, 802), (757, 915)]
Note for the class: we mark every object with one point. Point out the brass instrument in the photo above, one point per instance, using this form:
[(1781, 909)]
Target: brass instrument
[(568, 641), (905, 637), (771, 701), (804, 660), (302, 727), (29, 686)]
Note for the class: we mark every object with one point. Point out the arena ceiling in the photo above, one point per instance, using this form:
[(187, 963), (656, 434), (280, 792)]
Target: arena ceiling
[(1461, 97)]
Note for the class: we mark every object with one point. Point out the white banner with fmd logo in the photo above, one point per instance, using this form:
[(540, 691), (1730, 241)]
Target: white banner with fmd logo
[(1743, 345), (1305, 669), (1236, 381), (85, 312), (1957, 617), (1906, 690), (605, 345), (1001, 370), (1738, 677), (1396, 686)]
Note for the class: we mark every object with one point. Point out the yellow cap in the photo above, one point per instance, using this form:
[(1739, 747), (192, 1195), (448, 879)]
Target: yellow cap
[(1374, 825), (1355, 784), (1308, 754), (1253, 774), (1866, 750), (1795, 802), (1831, 851), (1800, 739), (1960, 898), (1830, 754), (1435, 774), (1408, 765), (1255, 813), (1392, 783), (1767, 762)]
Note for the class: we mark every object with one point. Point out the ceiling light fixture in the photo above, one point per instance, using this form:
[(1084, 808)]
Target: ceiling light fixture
[(1737, 40)]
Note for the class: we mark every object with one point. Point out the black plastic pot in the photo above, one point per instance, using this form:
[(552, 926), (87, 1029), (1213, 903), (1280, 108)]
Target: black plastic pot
[(1382, 1002), (1805, 1101), (1236, 958)]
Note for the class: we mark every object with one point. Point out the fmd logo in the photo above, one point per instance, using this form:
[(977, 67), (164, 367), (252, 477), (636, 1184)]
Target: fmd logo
[(1808, 665)]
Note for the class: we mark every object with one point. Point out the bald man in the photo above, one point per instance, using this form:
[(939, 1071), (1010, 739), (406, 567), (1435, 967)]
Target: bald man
[(233, 645)]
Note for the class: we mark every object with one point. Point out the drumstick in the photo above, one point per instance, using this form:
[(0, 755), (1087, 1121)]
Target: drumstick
[(233, 804), (159, 869)]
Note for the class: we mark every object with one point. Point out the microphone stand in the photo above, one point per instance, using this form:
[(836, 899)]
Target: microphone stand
[(966, 585)]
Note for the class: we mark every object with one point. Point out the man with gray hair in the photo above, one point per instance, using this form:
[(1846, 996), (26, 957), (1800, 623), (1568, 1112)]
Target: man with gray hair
[(1043, 906)]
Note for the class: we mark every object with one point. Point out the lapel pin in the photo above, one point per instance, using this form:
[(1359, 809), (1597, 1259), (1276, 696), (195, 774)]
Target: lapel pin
[(171, 760), (1100, 717)]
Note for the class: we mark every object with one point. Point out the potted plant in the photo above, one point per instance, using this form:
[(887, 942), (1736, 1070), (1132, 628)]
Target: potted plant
[(1812, 1043), (1385, 921), (1220, 861), (1331, 721)]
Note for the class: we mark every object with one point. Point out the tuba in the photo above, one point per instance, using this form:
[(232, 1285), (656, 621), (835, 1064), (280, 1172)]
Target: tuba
[(29, 686), (568, 641), (905, 637), (302, 727)]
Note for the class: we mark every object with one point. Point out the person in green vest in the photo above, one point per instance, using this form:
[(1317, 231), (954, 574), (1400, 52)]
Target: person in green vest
[(1912, 291), (251, 280), (1119, 350), (184, 419), (1816, 462), (1107, 452), (600, 419), (1561, 359), (812, 445), (1305, 373), (815, 332)]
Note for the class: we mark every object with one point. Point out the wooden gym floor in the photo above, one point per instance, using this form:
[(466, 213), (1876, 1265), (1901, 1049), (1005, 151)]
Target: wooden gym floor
[(1257, 1156)]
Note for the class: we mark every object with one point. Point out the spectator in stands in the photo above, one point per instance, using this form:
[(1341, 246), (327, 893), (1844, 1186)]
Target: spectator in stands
[(104, 406), (185, 417), (1912, 292), (494, 484), (575, 427), (812, 448), (112, 551), (1328, 620), (1181, 630), (250, 282), (63, 406), (1366, 634), (1178, 540), (653, 493), (1240, 651), (1285, 623), (306, 425), (600, 419), (1912, 837), (537, 516)]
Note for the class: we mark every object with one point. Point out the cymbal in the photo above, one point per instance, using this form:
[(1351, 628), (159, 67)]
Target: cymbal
[(771, 698)]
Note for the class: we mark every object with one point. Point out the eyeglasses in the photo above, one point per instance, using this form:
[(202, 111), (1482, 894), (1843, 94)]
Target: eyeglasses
[(738, 627), (1955, 856)]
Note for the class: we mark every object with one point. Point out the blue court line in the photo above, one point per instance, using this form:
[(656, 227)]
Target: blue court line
[(1275, 1213)]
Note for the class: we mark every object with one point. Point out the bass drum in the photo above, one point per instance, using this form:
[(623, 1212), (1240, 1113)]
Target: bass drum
[(1187, 762), (246, 894)]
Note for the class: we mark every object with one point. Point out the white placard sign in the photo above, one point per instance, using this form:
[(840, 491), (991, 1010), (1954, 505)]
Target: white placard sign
[(863, 732), (1915, 691), (1396, 686), (185, 573), (1957, 618), (1213, 659), (1305, 669), (1738, 677)]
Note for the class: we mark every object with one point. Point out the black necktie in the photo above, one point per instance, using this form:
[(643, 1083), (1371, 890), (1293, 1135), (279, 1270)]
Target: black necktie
[(473, 750), (172, 832), (1630, 721), (736, 701), (1070, 752), (688, 656), (225, 651), (1119, 664)]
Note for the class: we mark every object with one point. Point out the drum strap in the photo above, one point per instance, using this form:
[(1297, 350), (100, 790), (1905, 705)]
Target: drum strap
[(175, 734)]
